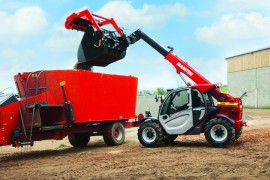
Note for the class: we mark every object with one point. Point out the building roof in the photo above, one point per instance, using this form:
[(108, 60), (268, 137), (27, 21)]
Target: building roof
[(251, 52)]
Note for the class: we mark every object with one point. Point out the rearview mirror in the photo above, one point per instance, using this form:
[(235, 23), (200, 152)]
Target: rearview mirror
[(156, 98)]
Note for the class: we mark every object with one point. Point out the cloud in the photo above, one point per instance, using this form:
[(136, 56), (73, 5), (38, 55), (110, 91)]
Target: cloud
[(236, 29), (64, 42), (24, 22), (165, 79), (11, 5), (16, 57), (242, 5), (147, 17), (13, 62), (18, 22), (214, 70)]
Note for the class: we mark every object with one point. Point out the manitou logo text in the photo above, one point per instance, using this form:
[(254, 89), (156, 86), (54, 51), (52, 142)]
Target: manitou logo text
[(184, 69)]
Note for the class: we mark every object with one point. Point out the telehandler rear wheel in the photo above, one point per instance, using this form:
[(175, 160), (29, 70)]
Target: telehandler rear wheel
[(150, 134), (79, 139), (114, 134), (219, 132)]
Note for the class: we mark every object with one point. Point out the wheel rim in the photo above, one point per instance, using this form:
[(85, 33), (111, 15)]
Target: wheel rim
[(149, 134), (118, 134), (219, 133)]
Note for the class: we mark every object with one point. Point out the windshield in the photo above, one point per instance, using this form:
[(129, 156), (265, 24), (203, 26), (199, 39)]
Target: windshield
[(7, 97), (177, 101)]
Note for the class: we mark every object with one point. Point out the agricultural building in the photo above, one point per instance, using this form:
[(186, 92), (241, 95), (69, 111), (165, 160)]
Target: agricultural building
[(250, 72)]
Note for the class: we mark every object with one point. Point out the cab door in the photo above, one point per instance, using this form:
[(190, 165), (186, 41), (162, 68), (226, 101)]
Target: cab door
[(198, 104), (176, 115)]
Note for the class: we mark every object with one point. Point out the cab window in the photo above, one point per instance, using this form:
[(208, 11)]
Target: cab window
[(177, 101), (208, 99), (197, 99)]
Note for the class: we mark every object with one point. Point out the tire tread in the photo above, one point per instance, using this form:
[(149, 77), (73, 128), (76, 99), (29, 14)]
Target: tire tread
[(228, 126)]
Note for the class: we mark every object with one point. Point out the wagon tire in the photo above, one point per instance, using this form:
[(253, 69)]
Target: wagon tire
[(114, 134), (79, 139)]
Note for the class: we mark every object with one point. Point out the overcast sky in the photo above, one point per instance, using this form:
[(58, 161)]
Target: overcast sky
[(203, 33)]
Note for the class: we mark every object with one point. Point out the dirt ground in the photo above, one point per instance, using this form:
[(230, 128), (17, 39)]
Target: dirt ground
[(190, 157)]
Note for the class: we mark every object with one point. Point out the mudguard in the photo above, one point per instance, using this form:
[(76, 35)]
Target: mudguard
[(226, 117), (149, 119)]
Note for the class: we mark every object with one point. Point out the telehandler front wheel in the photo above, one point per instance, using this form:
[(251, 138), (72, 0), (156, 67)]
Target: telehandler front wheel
[(150, 134), (238, 134), (219, 132), (114, 134)]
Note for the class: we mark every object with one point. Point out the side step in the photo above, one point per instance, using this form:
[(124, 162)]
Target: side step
[(51, 128)]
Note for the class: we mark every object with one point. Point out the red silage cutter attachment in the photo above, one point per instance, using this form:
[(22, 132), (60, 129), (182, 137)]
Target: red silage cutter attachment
[(98, 47)]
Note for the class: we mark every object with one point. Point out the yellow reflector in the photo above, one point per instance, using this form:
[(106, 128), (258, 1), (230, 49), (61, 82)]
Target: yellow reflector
[(63, 83), (34, 75), (227, 104)]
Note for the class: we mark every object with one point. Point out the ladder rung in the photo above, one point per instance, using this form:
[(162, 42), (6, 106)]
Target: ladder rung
[(32, 105), (25, 143), (39, 88), (52, 105), (29, 106), (30, 113)]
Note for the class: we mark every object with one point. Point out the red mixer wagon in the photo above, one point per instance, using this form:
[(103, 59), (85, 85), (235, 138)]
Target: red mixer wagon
[(53, 104)]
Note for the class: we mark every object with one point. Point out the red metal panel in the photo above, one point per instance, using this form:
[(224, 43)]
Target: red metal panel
[(203, 87), (96, 20), (95, 97), (9, 116)]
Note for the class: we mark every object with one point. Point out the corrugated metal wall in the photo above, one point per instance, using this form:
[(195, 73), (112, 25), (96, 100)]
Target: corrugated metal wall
[(249, 60), (250, 72)]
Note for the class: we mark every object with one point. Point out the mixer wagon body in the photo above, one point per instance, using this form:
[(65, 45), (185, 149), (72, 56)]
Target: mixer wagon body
[(55, 103)]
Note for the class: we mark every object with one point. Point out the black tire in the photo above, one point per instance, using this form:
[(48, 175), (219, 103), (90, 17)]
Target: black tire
[(238, 134), (219, 132), (150, 134), (169, 138), (114, 134), (79, 139)]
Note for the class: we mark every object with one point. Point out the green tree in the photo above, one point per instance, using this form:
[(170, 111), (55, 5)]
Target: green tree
[(224, 89), (160, 91), (146, 91)]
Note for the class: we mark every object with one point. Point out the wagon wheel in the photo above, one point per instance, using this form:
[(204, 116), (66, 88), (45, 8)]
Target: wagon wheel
[(79, 139), (114, 134)]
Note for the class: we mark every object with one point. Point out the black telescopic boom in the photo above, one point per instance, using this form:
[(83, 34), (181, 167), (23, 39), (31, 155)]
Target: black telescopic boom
[(138, 34)]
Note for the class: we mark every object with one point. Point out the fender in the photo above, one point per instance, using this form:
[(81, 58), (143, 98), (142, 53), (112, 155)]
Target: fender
[(227, 118), (149, 119)]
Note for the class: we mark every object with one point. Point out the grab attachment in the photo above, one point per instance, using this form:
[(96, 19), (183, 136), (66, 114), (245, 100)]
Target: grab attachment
[(98, 47)]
